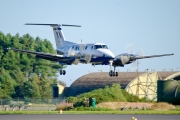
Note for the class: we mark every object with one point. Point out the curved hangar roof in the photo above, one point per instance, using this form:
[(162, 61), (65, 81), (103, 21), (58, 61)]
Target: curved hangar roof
[(98, 80)]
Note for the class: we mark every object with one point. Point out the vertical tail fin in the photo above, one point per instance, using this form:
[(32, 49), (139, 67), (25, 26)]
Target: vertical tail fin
[(59, 37), (58, 34)]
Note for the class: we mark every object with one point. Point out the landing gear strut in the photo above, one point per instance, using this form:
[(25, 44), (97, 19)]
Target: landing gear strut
[(112, 73), (62, 72)]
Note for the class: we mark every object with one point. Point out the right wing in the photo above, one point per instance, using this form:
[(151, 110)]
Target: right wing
[(47, 56)]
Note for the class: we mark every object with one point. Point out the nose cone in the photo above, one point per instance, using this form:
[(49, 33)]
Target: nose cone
[(107, 53)]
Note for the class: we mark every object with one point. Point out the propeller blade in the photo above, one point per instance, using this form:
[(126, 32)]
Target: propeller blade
[(140, 53), (129, 48), (134, 65)]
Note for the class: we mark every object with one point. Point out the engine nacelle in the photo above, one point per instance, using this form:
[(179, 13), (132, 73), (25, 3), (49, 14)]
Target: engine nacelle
[(125, 58)]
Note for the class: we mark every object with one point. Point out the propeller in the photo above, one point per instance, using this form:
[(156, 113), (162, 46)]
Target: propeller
[(129, 48), (135, 62), (71, 52), (78, 54)]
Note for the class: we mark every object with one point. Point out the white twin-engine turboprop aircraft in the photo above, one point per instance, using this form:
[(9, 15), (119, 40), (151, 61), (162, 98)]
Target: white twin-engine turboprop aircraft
[(95, 53)]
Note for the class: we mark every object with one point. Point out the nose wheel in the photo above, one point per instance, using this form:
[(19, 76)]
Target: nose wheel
[(62, 72)]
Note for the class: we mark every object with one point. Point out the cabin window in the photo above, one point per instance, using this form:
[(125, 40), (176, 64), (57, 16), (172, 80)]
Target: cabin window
[(77, 48), (92, 47), (86, 47)]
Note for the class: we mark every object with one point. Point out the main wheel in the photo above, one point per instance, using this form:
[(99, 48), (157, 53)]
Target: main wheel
[(64, 72), (111, 73), (116, 74), (60, 72)]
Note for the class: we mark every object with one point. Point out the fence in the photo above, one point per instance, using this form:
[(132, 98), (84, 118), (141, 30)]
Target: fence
[(30, 104)]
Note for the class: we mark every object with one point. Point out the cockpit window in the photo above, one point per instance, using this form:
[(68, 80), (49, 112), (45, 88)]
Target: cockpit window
[(101, 46), (104, 46), (98, 46)]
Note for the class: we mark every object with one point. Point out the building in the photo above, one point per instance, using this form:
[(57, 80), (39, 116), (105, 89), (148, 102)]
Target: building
[(168, 90), (142, 84)]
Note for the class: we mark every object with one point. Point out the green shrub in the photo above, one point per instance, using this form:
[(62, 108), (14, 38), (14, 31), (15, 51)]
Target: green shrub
[(134, 98), (108, 94), (72, 99), (113, 93)]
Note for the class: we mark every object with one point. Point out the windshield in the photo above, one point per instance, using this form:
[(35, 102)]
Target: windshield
[(104, 46), (101, 46)]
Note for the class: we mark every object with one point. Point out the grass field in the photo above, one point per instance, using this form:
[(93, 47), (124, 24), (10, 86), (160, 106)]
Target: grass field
[(95, 112)]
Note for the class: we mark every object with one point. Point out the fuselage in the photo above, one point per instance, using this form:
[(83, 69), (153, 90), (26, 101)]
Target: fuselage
[(94, 53)]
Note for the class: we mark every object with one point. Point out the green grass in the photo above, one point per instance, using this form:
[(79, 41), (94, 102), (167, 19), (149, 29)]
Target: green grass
[(95, 112)]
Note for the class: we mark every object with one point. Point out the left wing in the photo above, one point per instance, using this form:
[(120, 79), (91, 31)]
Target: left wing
[(47, 56), (152, 56), (126, 58)]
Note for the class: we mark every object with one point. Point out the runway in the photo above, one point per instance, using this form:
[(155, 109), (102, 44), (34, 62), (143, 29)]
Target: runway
[(89, 117)]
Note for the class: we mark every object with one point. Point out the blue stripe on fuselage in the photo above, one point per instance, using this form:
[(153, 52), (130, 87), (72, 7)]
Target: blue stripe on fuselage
[(103, 60)]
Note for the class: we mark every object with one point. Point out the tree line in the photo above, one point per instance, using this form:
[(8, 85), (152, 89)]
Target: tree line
[(23, 75)]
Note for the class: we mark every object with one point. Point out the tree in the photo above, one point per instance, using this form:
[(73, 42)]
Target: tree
[(45, 86), (10, 60), (6, 84), (31, 87), (25, 75), (20, 79)]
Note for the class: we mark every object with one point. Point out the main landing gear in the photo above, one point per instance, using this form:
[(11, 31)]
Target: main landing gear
[(112, 73), (62, 72)]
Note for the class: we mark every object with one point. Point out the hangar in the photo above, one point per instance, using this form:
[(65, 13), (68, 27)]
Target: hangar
[(142, 84), (168, 90)]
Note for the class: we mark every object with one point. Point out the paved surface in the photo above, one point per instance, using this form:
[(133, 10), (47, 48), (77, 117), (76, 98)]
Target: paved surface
[(89, 117)]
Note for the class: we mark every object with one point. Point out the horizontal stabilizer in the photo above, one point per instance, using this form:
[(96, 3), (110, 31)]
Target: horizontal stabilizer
[(52, 25)]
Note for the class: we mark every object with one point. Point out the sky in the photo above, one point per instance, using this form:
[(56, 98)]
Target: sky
[(151, 26)]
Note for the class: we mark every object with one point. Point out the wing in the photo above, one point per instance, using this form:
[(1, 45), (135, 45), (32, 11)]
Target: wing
[(47, 56), (125, 58), (152, 56)]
